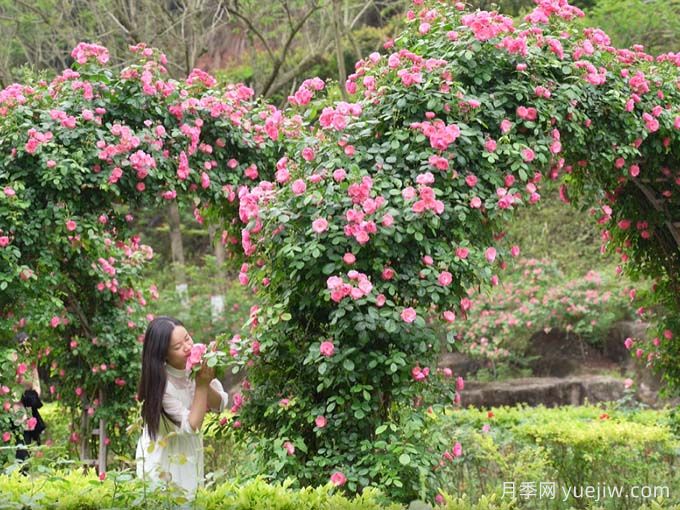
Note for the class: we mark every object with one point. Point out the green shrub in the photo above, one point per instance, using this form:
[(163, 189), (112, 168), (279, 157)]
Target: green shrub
[(60, 490), (570, 446)]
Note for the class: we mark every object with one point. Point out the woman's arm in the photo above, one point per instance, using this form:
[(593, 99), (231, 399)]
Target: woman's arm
[(217, 397), (36, 380), (199, 406)]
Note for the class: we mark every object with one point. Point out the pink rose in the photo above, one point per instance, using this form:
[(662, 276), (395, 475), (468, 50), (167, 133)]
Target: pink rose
[(387, 220), (408, 315), (320, 225), (528, 155), (289, 447), (299, 187), (338, 479), (388, 273), (408, 193), (349, 258), (71, 225), (445, 279), (339, 175), (31, 423), (320, 421), (380, 300), (327, 349), (195, 356), (457, 450), (490, 254), (462, 253)]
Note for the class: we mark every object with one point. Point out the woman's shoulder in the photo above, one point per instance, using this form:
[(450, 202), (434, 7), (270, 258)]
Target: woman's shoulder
[(176, 385)]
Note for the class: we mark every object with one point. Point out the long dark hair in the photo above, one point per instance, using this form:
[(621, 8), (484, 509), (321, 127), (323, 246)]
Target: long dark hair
[(153, 379)]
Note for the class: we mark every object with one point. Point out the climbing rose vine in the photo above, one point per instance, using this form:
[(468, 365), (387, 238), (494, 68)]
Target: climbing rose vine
[(391, 205)]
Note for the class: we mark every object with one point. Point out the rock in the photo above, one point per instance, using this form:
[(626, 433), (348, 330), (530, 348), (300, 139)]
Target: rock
[(613, 345), (557, 354), (549, 391), (459, 363), (416, 504)]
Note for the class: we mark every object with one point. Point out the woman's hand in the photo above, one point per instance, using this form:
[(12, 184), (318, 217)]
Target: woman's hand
[(205, 375)]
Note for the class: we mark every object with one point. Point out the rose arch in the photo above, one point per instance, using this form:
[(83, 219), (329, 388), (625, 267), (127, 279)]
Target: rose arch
[(362, 223)]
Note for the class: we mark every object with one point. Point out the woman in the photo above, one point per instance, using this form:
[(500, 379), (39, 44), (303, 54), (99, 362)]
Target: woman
[(173, 407), (30, 399)]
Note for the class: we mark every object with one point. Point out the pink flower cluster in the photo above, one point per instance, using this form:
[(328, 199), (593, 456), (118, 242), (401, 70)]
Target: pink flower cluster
[(200, 76), (594, 76), (196, 356), (449, 456), (67, 121), (237, 400), (142, 162), (306, 92), (128, 142), (517, 45), (107, 265), (426, 202), (337, 117), (440, 134), (357, 226), (340, 290), (547, 8), (35, 139), (487, 25), (420, 374), (84, 51), (13, 95)]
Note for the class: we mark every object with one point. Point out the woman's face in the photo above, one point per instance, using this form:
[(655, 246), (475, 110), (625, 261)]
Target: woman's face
[(179, 348)]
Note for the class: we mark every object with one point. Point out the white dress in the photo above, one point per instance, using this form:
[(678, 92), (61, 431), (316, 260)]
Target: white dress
[(177, 453)]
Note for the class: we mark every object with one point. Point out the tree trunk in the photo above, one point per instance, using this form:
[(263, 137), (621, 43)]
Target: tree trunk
[(217, 299), (85, 437), (339, 53), (177, 249)]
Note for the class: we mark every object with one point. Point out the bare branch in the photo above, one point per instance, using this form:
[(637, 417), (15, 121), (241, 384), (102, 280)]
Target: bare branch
[(254, 30), (291, 36)]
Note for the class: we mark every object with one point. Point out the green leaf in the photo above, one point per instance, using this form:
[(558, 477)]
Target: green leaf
[(348, 364), (404, 459)]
